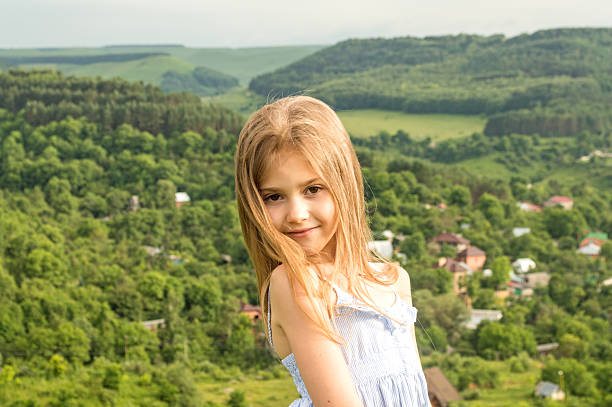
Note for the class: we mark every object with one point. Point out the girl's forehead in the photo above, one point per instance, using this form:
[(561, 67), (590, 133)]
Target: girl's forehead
[(280, 160)]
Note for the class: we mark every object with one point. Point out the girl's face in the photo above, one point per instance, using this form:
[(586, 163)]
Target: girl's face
[(299, 204)]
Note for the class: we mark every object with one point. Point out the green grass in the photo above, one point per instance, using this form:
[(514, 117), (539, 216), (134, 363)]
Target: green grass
[(259, 393), (515, 389), (369, 122)]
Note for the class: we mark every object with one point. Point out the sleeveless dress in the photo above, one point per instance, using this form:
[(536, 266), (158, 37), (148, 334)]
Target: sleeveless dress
[(379, 352)]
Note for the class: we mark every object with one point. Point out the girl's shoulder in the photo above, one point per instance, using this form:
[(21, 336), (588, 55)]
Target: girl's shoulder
[(402, 285)]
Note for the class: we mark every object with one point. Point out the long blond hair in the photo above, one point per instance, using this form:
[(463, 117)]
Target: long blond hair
[(311, 128)]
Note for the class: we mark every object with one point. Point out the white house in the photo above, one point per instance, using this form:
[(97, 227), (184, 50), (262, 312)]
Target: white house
[(523, 265), (181, 198), (549, 390), (478, 315), (590, 249), (383, 248), (517, 232)]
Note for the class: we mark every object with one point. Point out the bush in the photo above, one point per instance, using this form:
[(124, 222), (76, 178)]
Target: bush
[(237, 399)]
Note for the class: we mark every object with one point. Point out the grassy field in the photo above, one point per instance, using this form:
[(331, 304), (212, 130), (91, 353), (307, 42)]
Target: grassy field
[(368, 122), (515, 390), (265, 393)]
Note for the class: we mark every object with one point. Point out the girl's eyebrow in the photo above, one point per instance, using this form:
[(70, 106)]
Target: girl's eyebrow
[(304, 184)]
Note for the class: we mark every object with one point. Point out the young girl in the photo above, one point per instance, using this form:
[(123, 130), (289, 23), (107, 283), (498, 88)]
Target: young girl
[(342, 324)]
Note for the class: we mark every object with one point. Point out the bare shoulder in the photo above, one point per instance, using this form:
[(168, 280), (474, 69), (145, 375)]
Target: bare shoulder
[(403, 284), (282, 292)]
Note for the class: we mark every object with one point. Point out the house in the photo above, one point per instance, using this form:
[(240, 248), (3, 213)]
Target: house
[(562, 201), (549, 390), (252, 311), (597, 238), (518, 232), (591, 250), (594, 153), (478, 315), (546, 348), (441, 391), (389, 235), (458, 269), (181, 198), (523, 265), (383, 248), (133, 204), (529, 207), (152, 251), (533, 280), (473, 257), (451, 239), (606, 283), (154, 324)]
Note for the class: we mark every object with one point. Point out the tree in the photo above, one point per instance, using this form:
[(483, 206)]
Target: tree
[(460, 196), (493, 210), (497, 339), (500, 271), (578, 380)]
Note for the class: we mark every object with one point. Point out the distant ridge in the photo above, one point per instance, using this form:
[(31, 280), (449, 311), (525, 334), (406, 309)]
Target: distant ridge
[(564, 76), (143, 46), (80, 59)]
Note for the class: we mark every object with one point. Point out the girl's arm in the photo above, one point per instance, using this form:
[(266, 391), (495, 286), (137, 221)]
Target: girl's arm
[(320, 360)]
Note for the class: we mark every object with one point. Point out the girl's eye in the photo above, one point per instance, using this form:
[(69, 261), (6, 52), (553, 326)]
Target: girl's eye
[(313, 189), (272, 197)]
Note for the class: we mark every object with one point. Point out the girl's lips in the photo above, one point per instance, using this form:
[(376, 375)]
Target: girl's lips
[(301, 233)]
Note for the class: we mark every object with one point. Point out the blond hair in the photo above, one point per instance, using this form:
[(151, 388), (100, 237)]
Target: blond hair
[(311, 128)]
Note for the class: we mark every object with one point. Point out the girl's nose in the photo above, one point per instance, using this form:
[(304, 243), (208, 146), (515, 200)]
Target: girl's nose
[(298, 211)]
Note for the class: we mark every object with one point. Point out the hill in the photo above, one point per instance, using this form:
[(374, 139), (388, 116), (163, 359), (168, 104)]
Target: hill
[(554, 82), (149, 63)]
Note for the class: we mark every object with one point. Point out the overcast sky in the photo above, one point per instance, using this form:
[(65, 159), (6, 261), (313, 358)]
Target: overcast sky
[(247, 23)]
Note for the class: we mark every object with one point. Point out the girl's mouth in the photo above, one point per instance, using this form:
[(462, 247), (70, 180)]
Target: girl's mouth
[(301, 232)]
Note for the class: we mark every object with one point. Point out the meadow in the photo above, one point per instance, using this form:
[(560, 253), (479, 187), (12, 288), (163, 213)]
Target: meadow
[(368, 122)]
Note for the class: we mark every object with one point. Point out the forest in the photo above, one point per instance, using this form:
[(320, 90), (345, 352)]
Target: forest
[(552, 82), (82, 269)]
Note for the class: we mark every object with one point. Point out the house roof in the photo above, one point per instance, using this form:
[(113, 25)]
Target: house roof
[(545, 389), (450, 238), (478, 315), (471, 251), (523, 264), (246, 307), (528, 206), (560, 199), (517, 232), (439, 386), (545, 347), (593, 240), (596, 235), (533, 280), (453, 265), (182, 197)]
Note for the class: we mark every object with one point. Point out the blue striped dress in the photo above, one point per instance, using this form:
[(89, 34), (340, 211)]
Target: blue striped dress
[(379, 352)]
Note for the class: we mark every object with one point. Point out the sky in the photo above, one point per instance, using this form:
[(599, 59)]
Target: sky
[(252, 23)]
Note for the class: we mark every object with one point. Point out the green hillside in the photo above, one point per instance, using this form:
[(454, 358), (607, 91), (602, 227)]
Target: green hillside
[(242, 63), (87, 271), (553, 82)]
